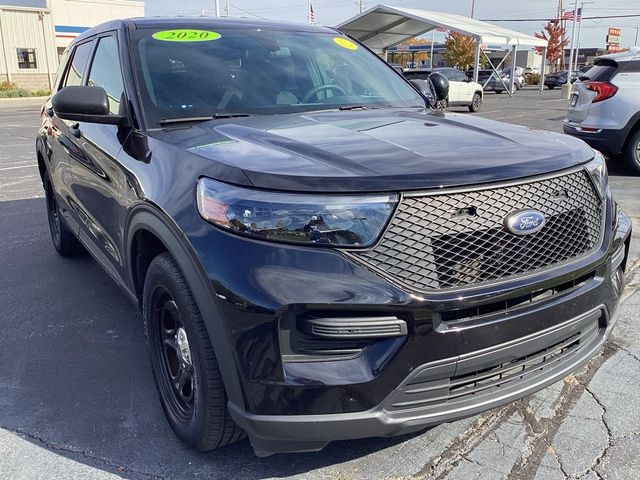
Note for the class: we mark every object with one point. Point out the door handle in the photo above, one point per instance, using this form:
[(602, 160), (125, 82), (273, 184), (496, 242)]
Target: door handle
[(75, 130)]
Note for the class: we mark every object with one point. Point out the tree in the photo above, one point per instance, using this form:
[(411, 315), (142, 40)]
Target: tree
[(554, 34), (460, 50)]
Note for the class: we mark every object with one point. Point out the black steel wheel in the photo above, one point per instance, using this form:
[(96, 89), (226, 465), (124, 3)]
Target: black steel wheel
[(64, 241), (476, 102), (184, 364), (171, 345), (632, 152)]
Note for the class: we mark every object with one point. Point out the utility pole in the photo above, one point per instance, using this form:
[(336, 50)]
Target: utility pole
[(361, 5), (217, 8), (473, 7)]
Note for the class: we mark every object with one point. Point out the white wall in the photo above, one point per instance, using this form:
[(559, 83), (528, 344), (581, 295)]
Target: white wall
[(155, 8), (89, 13), (27, 28)]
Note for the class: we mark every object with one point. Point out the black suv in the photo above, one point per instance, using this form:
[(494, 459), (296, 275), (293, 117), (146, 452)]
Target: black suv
[(316, 253)]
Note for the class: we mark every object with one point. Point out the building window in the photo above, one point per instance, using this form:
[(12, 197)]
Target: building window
[(26, 58)]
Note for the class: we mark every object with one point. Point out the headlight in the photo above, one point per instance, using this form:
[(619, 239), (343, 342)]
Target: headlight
[(598, 170), (328, 220)]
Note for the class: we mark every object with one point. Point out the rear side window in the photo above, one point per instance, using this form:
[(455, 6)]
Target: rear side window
[(106, 73), (78, 64), (458, 76), (603, 71)]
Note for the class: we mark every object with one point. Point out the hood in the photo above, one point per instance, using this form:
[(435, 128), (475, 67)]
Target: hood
[(375, 150)]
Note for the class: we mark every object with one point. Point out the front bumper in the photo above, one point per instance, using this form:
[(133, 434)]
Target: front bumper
[(534, 371), (293, 406)]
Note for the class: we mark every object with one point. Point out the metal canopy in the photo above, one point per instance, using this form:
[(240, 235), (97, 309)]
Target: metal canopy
[(383, 26)]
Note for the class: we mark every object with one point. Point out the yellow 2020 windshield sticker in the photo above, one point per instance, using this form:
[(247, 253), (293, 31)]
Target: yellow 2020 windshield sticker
[(344, 43), (186, 35)]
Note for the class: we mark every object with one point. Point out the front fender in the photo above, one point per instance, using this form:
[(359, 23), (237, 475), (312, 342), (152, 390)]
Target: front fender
[(146, 217)]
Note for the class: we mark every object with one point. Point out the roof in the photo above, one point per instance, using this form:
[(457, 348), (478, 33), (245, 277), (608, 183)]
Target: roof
[(384, 26), (630, 55)]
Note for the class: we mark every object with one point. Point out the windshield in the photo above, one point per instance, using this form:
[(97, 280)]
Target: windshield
[(259, 71)]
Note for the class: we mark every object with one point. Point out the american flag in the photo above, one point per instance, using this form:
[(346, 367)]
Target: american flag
[(568, 15), (312, 16)]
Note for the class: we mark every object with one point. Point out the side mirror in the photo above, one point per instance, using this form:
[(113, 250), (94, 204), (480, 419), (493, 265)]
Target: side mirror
[(84, 104), (421, 85), (440, 85)]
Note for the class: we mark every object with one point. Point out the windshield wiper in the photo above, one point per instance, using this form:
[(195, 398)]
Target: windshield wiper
[(169, 121), (353, 107)]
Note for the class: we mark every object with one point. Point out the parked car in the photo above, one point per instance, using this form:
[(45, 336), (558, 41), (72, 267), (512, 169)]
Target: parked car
[(491, 81), (317, 254), (462, 91), (519, 81), (557, 79), (604, 109)]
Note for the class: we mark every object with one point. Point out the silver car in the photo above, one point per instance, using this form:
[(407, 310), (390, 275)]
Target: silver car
[(604, 109)]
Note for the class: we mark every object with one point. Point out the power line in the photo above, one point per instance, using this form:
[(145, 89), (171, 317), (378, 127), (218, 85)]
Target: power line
[(549, 19)]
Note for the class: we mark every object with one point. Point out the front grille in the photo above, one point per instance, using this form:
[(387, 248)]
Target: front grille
[(459, 239)]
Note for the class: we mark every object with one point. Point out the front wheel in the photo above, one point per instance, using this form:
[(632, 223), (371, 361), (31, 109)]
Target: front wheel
[(550, 87), (475, 103), (632, 152), (184, 364)]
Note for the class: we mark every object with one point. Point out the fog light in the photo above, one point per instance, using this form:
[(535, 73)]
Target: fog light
[(356, 328)]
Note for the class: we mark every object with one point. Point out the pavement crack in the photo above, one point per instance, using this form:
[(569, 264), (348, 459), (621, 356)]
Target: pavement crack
[(95, 459), (440, 466), (598, 460), (542, 432)]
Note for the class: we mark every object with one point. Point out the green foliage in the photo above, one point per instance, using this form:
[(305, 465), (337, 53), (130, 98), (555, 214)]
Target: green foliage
[(14, 93), (42, 92)]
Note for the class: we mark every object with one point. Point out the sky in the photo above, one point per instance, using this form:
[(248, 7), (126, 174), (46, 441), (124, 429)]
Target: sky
[(332, 12)]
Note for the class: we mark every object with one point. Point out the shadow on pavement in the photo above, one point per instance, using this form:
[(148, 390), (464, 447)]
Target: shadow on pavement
[(75, 376)]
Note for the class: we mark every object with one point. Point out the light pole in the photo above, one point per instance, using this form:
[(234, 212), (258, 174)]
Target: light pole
[(473, 7)]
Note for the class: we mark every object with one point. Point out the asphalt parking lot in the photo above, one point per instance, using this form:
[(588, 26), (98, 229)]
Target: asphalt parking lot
[(77, 398)]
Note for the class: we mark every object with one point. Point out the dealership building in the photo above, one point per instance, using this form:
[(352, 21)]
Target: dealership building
[(34, 34)]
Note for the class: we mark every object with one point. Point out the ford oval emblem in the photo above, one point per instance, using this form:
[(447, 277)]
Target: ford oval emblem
[(525, 222)]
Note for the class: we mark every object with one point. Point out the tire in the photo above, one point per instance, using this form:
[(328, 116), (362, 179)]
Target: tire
[(632, 152), (476, 102), (550, 87), (63, 239), (197, 409)]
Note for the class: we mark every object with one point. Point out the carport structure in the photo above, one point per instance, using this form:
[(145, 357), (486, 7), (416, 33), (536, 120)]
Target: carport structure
[(383, 26)]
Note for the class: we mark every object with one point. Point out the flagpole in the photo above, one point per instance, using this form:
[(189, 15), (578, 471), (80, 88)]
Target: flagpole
[(573, 39), (578, 42)]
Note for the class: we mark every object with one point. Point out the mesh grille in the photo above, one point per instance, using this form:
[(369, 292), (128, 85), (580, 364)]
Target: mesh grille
[(459, 239)]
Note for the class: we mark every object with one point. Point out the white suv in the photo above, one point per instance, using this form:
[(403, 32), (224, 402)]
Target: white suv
[(462, 91), (604, 109)]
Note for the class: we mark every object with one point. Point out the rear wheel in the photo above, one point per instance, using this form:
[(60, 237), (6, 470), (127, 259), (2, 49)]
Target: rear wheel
[(632, 152), (63, 239), (475, 103), (184, 364)]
